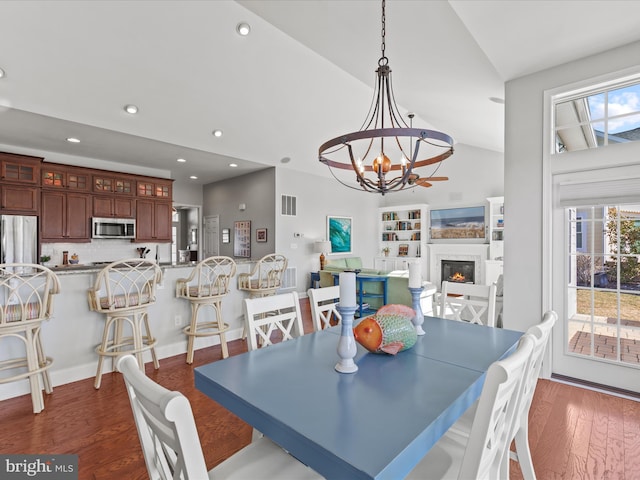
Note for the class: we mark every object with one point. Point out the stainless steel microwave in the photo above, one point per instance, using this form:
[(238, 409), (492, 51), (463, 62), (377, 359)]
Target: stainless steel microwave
[(113, 227)]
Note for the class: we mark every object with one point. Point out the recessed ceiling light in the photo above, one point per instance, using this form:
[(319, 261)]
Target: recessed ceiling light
[(233, 165), (243, 29), (217, 133), (132, 109), (285, 159), (181, 160), (73, 140), (193, 177), (497, 100), (1, 73)]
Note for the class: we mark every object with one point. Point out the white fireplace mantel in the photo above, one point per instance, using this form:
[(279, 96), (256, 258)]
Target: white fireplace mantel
[(477, 253)]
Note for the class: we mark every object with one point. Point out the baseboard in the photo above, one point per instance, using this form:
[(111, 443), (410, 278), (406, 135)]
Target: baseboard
[(618, 392), (88, 370)]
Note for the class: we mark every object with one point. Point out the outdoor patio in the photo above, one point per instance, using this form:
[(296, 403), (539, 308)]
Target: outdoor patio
[(605, 338)]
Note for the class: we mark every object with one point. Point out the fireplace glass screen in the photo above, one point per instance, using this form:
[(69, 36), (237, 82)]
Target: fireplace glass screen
[(458, 271)]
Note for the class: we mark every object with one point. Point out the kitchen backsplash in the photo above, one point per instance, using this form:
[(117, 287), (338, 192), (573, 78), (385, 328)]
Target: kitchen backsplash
[(105, 251)]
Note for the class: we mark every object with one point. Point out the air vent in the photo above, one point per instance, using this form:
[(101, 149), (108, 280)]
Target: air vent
[(289, 205), (289, 279)]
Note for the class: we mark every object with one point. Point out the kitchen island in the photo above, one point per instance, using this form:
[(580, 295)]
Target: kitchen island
[(70, 337)]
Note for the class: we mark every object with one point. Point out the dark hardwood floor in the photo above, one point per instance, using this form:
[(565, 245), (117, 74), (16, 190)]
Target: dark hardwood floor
[(574, 433)]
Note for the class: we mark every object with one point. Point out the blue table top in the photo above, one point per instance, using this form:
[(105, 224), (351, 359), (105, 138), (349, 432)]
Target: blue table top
[(377, 423)]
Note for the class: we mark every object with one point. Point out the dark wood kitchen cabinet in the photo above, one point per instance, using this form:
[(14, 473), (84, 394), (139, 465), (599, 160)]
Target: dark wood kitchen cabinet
[(19, 199), (65, 216), (114, 206), (19, 179), (153, 220), (155, 188), (110, 183), (66, 177), (20, 169)]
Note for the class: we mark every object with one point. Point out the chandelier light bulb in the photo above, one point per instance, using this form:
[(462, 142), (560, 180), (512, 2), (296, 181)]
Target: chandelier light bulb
[(381, 161)]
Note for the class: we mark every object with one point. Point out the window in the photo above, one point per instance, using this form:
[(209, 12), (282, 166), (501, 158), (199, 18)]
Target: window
[(602, 115), (604, 280), (579, 237)]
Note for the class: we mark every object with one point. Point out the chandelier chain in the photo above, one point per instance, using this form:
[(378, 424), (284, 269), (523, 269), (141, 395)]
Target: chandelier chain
[(383, 58)]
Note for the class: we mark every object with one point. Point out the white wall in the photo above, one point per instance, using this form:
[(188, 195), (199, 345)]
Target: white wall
[(317, 198), (474, 175), (524, 298)]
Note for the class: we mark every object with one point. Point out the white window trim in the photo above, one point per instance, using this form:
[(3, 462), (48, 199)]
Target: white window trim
[(554, 163)]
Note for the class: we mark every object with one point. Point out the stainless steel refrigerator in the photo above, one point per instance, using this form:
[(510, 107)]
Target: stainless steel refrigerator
[(18, 239)]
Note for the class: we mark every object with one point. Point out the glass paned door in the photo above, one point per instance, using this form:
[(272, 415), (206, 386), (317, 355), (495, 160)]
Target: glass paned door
[(603, 289)]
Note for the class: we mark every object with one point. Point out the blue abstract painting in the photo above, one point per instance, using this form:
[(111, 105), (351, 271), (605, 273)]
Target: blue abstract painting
[(339, 232)]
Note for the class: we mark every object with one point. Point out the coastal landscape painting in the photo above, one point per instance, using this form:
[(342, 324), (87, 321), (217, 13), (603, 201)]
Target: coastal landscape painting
[(457, 223)]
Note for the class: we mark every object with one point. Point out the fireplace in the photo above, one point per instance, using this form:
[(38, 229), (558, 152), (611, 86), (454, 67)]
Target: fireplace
[(461, 271), (477, 253)]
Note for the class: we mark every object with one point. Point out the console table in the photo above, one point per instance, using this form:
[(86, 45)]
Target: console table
[(361, 279)]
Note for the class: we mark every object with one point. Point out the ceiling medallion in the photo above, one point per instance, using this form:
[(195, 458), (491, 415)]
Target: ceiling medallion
[(405, 144)]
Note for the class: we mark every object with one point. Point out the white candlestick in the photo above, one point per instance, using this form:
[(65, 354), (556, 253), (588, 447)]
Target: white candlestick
[(348, 289), (415, 275)]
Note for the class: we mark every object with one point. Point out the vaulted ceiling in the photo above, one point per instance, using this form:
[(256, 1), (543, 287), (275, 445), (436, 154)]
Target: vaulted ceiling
[(303, 75)]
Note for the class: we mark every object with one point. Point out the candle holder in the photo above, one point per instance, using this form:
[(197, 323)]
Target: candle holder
[(347, 343), (419, 318)]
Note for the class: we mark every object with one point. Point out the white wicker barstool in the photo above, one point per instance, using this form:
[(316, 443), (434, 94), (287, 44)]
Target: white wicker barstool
[(123, 291), (207, 285), (26, 296)]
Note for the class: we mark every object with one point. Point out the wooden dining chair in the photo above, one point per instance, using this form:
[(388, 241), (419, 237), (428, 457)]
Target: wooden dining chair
[(171, 446), (480, 455), (323, 303), (26, 301), (272, 319), (468, 302), (207, 285), (520, 427)]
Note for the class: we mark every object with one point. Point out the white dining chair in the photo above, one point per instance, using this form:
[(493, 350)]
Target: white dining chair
[(279, 314), (468, 302), (480, 455), (520, 427), (264, 279), (170, 443), (323, 303)]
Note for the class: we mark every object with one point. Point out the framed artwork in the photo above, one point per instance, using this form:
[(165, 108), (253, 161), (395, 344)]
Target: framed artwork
[(457, 223), (226, 235), (403, 249), (340, 234), (261, 235), (242, 239)]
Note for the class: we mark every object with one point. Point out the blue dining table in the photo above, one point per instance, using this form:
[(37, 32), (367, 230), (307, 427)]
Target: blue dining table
[(377, 423)]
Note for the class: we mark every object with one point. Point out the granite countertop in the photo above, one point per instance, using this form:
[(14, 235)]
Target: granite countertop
[(94, 267)]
